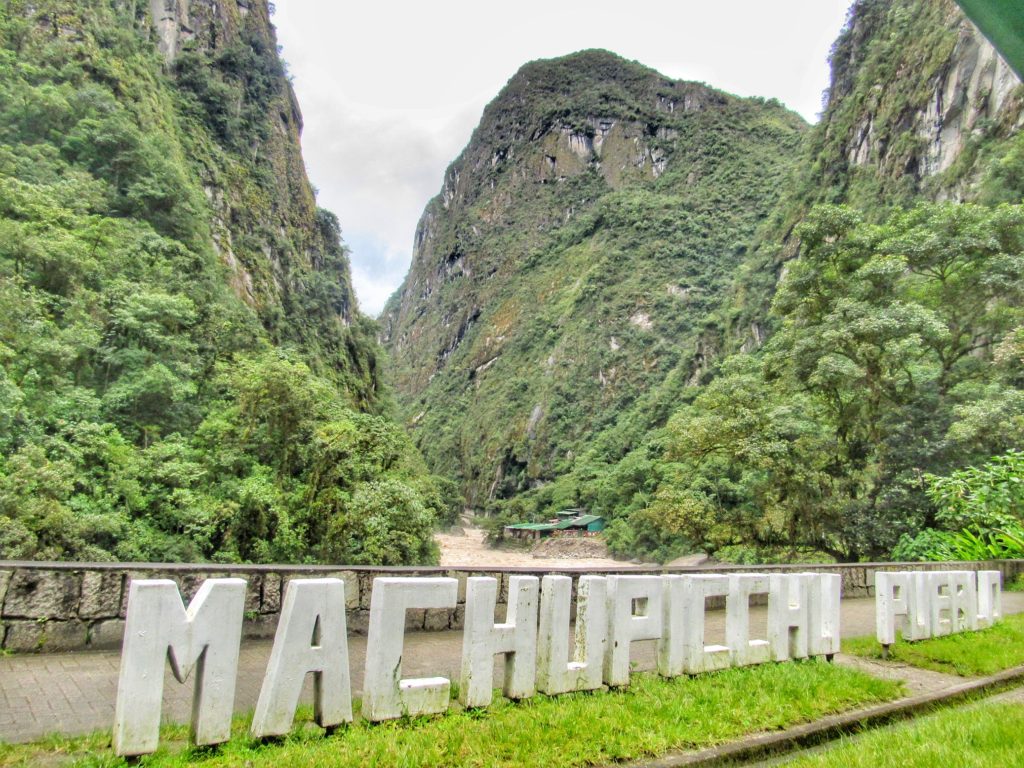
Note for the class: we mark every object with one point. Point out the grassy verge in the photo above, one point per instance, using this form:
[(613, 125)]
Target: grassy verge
[(969, 654), (980, 735), (649, 718)]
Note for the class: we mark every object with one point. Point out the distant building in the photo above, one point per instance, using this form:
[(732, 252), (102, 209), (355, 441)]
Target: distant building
[(568, 522)]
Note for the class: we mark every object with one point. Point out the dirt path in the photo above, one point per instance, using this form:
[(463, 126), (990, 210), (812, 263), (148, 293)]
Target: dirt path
[(469, 549)]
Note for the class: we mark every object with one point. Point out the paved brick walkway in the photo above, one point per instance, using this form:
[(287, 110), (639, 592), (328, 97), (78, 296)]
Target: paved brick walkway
[(74, 693)]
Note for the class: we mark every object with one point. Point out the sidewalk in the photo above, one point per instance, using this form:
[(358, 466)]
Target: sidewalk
[(73, 693)]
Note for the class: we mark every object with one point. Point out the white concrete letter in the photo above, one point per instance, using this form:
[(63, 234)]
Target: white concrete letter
[(902, 595), (555, 673), (737, 619), (626, 625), (516, 639), (681, 649), (311, 637), (965, 601), (990, 602), (386, 695), (824, 591), (941, 607), (205, 638), (788, 615)]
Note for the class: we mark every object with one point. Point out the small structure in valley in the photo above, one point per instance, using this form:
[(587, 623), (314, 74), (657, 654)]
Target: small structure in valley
[(568, 522)]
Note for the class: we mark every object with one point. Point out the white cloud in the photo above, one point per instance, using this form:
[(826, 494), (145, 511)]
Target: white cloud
[(390, 91)]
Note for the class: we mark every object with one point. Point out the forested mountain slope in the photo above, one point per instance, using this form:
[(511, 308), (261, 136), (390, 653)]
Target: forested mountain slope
[(920, 107), (629, 349), (184, 373), (572, 260), (893, 337)]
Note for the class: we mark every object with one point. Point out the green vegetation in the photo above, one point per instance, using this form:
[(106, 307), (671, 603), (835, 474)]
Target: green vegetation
[(183, 372), (817, 440), (681, 310), (980, 509), (975, 736), (969, 654), (574, 309), (649, 718), (761, 371)]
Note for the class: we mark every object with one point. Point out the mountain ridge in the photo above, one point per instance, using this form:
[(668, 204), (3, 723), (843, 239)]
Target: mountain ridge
[(554, 157), (675, 274)]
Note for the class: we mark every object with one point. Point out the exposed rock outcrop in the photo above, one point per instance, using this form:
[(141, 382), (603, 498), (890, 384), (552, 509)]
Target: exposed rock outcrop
[(550, 276)]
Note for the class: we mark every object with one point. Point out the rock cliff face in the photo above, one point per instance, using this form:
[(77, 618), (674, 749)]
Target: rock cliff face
[(181, 352), (572, 259), (265, 225), (920, 107), (915, 88)]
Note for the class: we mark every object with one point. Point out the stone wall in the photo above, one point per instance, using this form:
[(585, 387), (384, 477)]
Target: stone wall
[(64, 606)]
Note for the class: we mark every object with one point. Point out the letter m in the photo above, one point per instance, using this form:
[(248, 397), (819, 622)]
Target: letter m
[(205, 638)]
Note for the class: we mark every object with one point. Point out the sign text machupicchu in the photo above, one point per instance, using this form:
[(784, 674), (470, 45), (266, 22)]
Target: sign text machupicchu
[(611, 613)]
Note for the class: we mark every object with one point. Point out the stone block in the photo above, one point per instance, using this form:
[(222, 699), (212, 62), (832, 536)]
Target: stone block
[(106, 634), (270, 601), (33, 594), (260, 627), (414, 618), (5, 579), (459, 617), (460, 577), (365, 589), (189, 583), (253, 591), (33, 636), (351, 579), (358, 622), (101, 594), (437, 619)]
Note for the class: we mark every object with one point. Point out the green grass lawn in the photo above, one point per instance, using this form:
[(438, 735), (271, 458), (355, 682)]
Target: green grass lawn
[(969, 654), (649, 718), (979, 735)]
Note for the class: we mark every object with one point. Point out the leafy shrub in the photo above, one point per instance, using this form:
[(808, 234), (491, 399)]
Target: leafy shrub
[(968, 544)]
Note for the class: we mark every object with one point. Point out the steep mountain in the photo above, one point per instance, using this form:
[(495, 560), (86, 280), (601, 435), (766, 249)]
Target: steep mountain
[(184, 372), (593, 315), (920, 107), (875, 327), (572, 261)]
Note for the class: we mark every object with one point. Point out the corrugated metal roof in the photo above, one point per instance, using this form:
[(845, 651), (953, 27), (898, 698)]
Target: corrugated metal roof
[(577, 522), (532, 526)]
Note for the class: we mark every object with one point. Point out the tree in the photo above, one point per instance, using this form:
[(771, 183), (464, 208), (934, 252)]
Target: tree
[(882, 369)]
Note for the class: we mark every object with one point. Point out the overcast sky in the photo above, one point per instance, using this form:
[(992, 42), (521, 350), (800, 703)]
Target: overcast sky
[(390, 91)]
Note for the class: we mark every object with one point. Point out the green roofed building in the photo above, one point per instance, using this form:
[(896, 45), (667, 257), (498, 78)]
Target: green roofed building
[(569, 522)]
